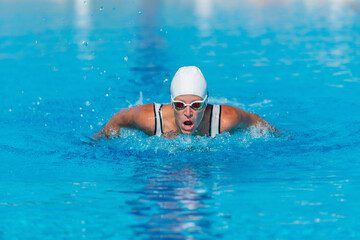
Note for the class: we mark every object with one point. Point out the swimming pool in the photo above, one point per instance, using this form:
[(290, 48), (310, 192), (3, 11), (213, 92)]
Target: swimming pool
[(67, 66)]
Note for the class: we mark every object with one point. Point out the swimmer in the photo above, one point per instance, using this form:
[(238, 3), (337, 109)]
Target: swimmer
[(188, 113)]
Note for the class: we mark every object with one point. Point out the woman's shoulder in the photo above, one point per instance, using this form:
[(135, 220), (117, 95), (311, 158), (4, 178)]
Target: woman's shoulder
[(144, 118)]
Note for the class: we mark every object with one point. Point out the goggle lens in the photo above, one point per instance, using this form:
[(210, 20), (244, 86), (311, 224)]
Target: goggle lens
[(197, 105), (179, 105)]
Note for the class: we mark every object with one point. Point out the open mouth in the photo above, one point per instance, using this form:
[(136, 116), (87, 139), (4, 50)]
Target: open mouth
[(188, 125)]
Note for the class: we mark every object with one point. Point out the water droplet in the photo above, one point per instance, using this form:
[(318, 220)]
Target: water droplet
[(140, 12), (107, 95), (85, 43), (36, 41), (87, 103), (126, 59), (81, 115), (166, 80), (10, 110), (40, 98), (101, 8), (80, 108), (161, 29)]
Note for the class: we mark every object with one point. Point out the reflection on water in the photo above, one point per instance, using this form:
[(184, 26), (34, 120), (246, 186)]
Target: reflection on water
[(150, 47), (82, 22), (173, 204)]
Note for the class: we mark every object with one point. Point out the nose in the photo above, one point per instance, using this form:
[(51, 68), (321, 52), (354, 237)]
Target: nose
[(188, 112)]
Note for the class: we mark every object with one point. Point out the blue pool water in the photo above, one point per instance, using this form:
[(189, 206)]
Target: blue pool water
[(67, 66)]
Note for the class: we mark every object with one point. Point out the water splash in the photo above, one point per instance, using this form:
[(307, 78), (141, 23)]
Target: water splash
[(224, 100), (140, 101), (135, 140)]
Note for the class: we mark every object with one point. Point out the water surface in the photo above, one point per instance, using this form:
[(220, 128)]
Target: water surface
[(67, 66)]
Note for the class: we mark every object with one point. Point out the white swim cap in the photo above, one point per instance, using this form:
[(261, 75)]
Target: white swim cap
[(188, 81)]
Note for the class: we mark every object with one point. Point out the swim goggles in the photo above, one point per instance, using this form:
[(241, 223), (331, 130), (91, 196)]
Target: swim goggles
[(196, 105)]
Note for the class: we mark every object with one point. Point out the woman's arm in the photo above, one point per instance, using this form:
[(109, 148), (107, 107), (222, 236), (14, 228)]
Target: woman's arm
[(233, 118), (139, 117)]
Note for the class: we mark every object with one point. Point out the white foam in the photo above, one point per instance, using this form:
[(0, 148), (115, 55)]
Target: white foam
[(352, 80), (139, 141), (264, 103), (341, 73), (337, 86), (223, 100)]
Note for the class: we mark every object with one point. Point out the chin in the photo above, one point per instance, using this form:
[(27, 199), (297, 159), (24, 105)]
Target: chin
[(187, 132)]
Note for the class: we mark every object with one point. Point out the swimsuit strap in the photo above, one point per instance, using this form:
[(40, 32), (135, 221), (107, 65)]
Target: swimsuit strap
[(215, 118), (158, 119)]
